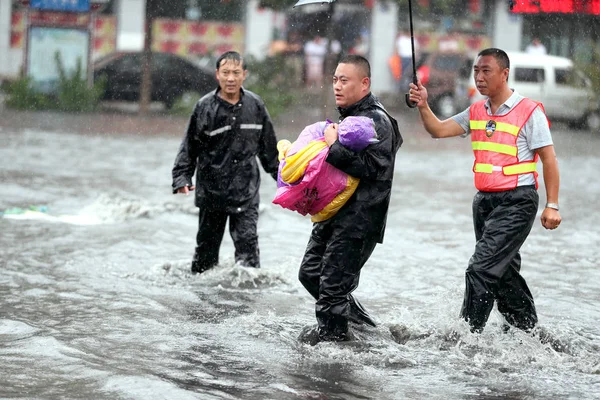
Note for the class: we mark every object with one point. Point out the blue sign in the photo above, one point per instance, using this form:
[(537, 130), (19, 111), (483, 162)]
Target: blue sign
[(61, 5)]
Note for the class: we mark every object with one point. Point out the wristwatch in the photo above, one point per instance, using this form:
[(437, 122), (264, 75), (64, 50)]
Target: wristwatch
[(552, 205)]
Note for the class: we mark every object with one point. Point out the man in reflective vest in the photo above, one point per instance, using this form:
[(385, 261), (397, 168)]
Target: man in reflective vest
[(508, 133)]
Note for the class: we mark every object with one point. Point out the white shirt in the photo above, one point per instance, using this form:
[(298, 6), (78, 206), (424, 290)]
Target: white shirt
[(404, 47), (540, 49), (315, 52)]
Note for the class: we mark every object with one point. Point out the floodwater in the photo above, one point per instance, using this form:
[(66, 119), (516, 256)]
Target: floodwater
[(97, 300)]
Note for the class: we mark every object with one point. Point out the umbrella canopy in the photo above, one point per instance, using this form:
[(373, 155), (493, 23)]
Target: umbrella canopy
[(303, 2)]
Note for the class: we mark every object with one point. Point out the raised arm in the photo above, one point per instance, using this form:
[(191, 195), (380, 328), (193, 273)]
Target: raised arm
[(433, 125)]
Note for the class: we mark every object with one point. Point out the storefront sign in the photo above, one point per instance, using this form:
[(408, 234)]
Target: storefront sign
[(556, 6), (45, 43), (61, 5)]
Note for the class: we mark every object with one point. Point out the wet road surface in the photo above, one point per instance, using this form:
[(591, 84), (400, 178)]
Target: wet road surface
[(97, 300)]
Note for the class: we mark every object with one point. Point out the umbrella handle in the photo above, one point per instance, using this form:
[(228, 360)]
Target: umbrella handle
[(409, 103)]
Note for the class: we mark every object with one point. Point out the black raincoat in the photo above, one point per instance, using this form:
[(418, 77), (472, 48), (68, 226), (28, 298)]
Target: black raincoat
[(340, 246), (221, 145)]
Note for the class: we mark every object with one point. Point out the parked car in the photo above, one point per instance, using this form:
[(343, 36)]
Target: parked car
[(565, 92), (439, 72), (172, 77)]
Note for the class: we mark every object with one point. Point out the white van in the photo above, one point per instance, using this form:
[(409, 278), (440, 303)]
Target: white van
[(565, 92)]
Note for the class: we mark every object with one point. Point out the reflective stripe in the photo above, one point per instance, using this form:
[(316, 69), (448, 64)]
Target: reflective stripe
[(500, 126), (504, 127), (486, 168), (477, 125), (220, 130), (498, 148), (251, 126), (523, 168), (517, 169)]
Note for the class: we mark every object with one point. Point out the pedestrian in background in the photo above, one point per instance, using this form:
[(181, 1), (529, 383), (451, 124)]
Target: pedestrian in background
[(314, 57), (228, 129), (508, 133), (536, 47), (340, 246), (404, 49)]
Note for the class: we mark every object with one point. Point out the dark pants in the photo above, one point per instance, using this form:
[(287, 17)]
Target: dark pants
[(330, 272), (242, 227), (502, 222)]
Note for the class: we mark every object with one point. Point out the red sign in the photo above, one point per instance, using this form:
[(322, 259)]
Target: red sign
[(594, 7), (562, 6), (557, 6)]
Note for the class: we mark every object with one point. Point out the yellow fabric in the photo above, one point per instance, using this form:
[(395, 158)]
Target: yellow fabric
[(296, 164), (496, 147), (523, 168), (500, 127), (332, 208), (484, 168), (517, 169), (477, 125), (282, 147)]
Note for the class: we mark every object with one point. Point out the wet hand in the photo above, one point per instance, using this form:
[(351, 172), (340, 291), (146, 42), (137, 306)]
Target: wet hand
[(331, 134), (418, 94), (550, 218), (186, 189)]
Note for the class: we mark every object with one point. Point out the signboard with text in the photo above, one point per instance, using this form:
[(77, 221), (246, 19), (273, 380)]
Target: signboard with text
[(557, 7), (44, 44), (61, 5)]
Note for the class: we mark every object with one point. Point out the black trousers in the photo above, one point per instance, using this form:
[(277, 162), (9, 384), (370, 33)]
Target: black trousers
[(243, 231), (330, 271), (502, 222)]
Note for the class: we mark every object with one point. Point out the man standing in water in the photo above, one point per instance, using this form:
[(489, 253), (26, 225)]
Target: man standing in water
[(228, 129), (509, 133), (339, 247)]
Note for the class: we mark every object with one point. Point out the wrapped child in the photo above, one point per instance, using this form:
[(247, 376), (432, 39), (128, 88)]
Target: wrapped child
[(306, 182)]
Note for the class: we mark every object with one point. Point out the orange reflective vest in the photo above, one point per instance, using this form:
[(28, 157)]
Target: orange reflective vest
[(494, 141)]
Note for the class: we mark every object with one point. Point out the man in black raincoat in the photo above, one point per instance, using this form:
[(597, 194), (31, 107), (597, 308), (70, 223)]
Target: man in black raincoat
[(228, 129), (509, 133), (339, 247)]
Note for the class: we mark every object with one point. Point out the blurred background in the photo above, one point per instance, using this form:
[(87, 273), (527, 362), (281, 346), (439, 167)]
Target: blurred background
[(98, 46)]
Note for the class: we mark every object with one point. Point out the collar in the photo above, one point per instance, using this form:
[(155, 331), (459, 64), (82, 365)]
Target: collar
[(365, 102), (509, 103), (218, 97)]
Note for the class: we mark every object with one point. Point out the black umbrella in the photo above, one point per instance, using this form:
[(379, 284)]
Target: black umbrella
[(303, 2), (412, 38)]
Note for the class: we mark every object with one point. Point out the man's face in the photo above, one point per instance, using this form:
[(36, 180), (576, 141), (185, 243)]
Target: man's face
[(349, 85), (231, 76), (490, 78)]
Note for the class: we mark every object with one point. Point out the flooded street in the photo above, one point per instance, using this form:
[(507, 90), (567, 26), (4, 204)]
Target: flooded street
[(97, 300)]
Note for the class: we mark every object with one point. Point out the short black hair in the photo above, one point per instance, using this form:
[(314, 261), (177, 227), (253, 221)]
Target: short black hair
[(359, 61), (232, 56), (500, 56)]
